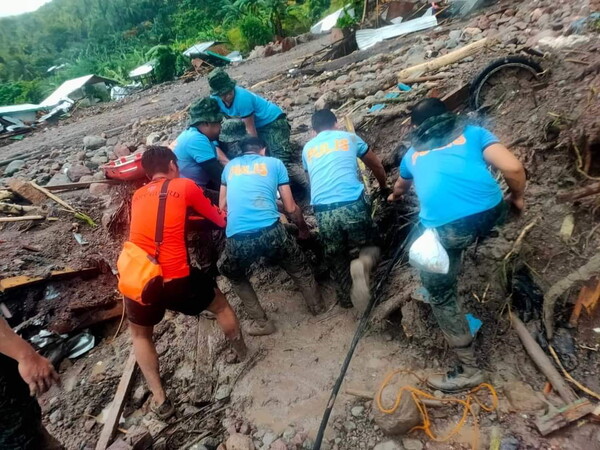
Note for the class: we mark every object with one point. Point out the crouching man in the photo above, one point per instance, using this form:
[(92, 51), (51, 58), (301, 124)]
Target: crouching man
[(186, 289), (249, 194)]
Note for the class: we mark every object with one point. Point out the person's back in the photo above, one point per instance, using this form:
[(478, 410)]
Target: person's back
[(330, 159), (252, 182), (192, 149)]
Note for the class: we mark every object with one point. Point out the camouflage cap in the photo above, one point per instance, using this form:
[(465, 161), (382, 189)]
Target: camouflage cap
[(220, 82), (233, 130), (205, 110)]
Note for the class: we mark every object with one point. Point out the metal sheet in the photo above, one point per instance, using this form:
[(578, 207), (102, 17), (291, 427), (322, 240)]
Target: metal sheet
[(198, 49), (144, 69), (70, 86), (368, 38), (326, 24)]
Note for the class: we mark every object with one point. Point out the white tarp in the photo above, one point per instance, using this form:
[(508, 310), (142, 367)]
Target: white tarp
[(325, 25), (368, 38)]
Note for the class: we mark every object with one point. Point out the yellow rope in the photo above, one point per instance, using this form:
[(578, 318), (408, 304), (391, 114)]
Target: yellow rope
[(418, 395)]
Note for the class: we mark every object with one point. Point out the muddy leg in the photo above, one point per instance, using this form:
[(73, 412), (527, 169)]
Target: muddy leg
[(229, 323), (147, 359), (360, 270)]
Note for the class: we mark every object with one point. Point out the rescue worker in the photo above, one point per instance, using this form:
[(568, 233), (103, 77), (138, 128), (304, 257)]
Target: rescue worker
[(186, 289), (459, 198), (341, 208), (249, 190), (262, 119), (232, 133), (23, 375)]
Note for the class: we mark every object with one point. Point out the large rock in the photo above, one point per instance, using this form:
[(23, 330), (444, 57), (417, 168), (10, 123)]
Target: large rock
[(100, 189), (124, 150), (405, 417), (279, 444), (27, 191), (522, 397), (14, 167), (153, 138), (328, 100), (139, 438), (76, 171), (388, 445), (93, 142), (239, 442)]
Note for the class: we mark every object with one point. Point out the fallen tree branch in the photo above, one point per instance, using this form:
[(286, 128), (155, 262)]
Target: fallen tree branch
[(519, 242), (21, 219), (569, 377), (78, 214), (11, 208), (584, 273), (577, 194)]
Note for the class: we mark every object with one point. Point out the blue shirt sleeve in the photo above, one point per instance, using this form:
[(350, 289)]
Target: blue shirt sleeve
[(404, 169), (201, 150), (486, 138), (244, 102), (281, 173), (361, 146)]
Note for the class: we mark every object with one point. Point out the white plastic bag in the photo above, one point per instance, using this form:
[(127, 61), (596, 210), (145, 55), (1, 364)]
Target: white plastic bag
[(428, 254)]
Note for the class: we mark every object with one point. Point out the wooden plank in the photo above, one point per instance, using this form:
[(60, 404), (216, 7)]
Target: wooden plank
[(457, 97), (24, 280), (562, 417), (79, 185), (23, 189), (50, 195), (21, 219), (114, 414), (204, 380)]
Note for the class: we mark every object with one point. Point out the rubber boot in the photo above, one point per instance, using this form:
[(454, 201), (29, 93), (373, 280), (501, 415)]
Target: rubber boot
[(466, 375), (260, 325), (360, 271)]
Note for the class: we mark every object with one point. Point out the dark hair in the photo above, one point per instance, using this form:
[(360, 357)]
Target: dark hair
[(252, 144), (156, 159), (323, 119), (426, 108)]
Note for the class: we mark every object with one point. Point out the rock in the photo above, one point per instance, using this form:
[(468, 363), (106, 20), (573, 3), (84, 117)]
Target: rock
[(455, 35), (279, 444), (26, 191), (358, 411), (93, 142), (412, 444), (210, 442), (258, 52), (100, 189), (223, 392), (139, 438), (56, 417), (14, 167), (98, 161), (388, 445), (239, 442), (289, 433), (471, 31), (269, 438), (403, 419), (327, 101), (198, 446), (522, 397), (153, 138), (120, 444), (521, 25), (452, 43), (349, 426), (301, 99), (123, 150), (509, 443), (89, 425), (76, 171)]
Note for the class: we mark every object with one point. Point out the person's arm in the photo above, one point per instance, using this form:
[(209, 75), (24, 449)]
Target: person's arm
[(35, 370), (213, 169), (222, 157), (250, 125), (373, 162), (498, 156), (203, 206), (401, 187), (292, 209), (223, 198)]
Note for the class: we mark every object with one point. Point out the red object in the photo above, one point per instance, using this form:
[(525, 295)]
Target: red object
[(125, 168)]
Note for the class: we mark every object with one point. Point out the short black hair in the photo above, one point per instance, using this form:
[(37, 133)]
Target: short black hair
[(156, 159), (252, 144), (426, 108), (323, 119)]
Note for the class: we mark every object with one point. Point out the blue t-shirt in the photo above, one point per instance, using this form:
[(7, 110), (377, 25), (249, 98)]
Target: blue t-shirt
[(252, 182), (192, 149), (246, 103), (330, 160), (453, 181)]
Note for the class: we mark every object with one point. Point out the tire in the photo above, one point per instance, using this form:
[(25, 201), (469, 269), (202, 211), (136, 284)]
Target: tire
[(497, 66)]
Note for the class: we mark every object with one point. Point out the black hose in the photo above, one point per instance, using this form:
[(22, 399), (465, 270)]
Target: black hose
[(362, 325)]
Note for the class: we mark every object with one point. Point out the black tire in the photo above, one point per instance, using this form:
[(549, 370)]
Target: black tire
[(495, 67)]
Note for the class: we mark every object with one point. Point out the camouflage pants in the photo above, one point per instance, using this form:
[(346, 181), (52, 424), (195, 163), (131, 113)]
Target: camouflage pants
[(275, 245), (21, 427), (277, 137), (343, 232), (442, 288)]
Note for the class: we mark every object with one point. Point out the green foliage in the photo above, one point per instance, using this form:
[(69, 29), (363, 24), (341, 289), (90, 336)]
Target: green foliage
[(164, 61), (21, 92), (237, 39), (346, 20), (255, 32), (317, 9), (297, 20)]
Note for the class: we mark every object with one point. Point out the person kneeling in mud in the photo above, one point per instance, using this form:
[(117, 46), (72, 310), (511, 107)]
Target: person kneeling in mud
[(461, 200), (249, 195), (186, 289)]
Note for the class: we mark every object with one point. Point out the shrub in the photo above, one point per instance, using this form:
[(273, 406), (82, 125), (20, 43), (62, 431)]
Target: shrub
[(255, 31), (164, 60)]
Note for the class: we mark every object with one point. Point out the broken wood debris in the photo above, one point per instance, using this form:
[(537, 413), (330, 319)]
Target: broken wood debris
[(79, 185), (561, 417), (11, 208), (21, 219), (580, 193), (588, 297), (24, 280), (26, 191), (69, 208)]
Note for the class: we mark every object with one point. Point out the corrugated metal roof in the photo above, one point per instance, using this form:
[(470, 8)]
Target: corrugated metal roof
[(368, 38), (199, 48), (19, 108), (327, 23), (69, 86), (144, 69)]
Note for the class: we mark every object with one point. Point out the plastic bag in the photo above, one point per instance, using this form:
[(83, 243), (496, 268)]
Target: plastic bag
[(428, 254)]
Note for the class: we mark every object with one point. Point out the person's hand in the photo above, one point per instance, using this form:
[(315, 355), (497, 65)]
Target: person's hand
[(391, 198), (38, 373), (517, 202)]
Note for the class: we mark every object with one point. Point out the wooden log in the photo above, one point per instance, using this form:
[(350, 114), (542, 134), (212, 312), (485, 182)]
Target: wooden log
[(204, 380), (456, 98), (11, 208), (542, 361), (114, 414), (442, 61), (21, 219), (23, 280), (51, 196), (79, 185), (25, 190), (562, 417), (580, 193)]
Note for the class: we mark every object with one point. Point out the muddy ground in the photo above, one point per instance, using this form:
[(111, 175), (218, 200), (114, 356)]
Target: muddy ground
[(278, 397)]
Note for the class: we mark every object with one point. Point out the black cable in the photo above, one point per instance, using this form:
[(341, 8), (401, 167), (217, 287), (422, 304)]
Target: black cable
[(357, 335)]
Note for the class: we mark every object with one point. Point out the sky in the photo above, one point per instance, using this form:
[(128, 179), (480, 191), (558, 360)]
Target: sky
[(13, 7)]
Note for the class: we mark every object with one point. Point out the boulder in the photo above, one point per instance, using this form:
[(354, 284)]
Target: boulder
[(93, 142), (100, 189), (388, 445), (405, 417), (139, 438), (153, 138), (239, 442), (279, 444), (120, 444), (14, 167), (76, 171), (327, 101), (522, 397), (123, 150)]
